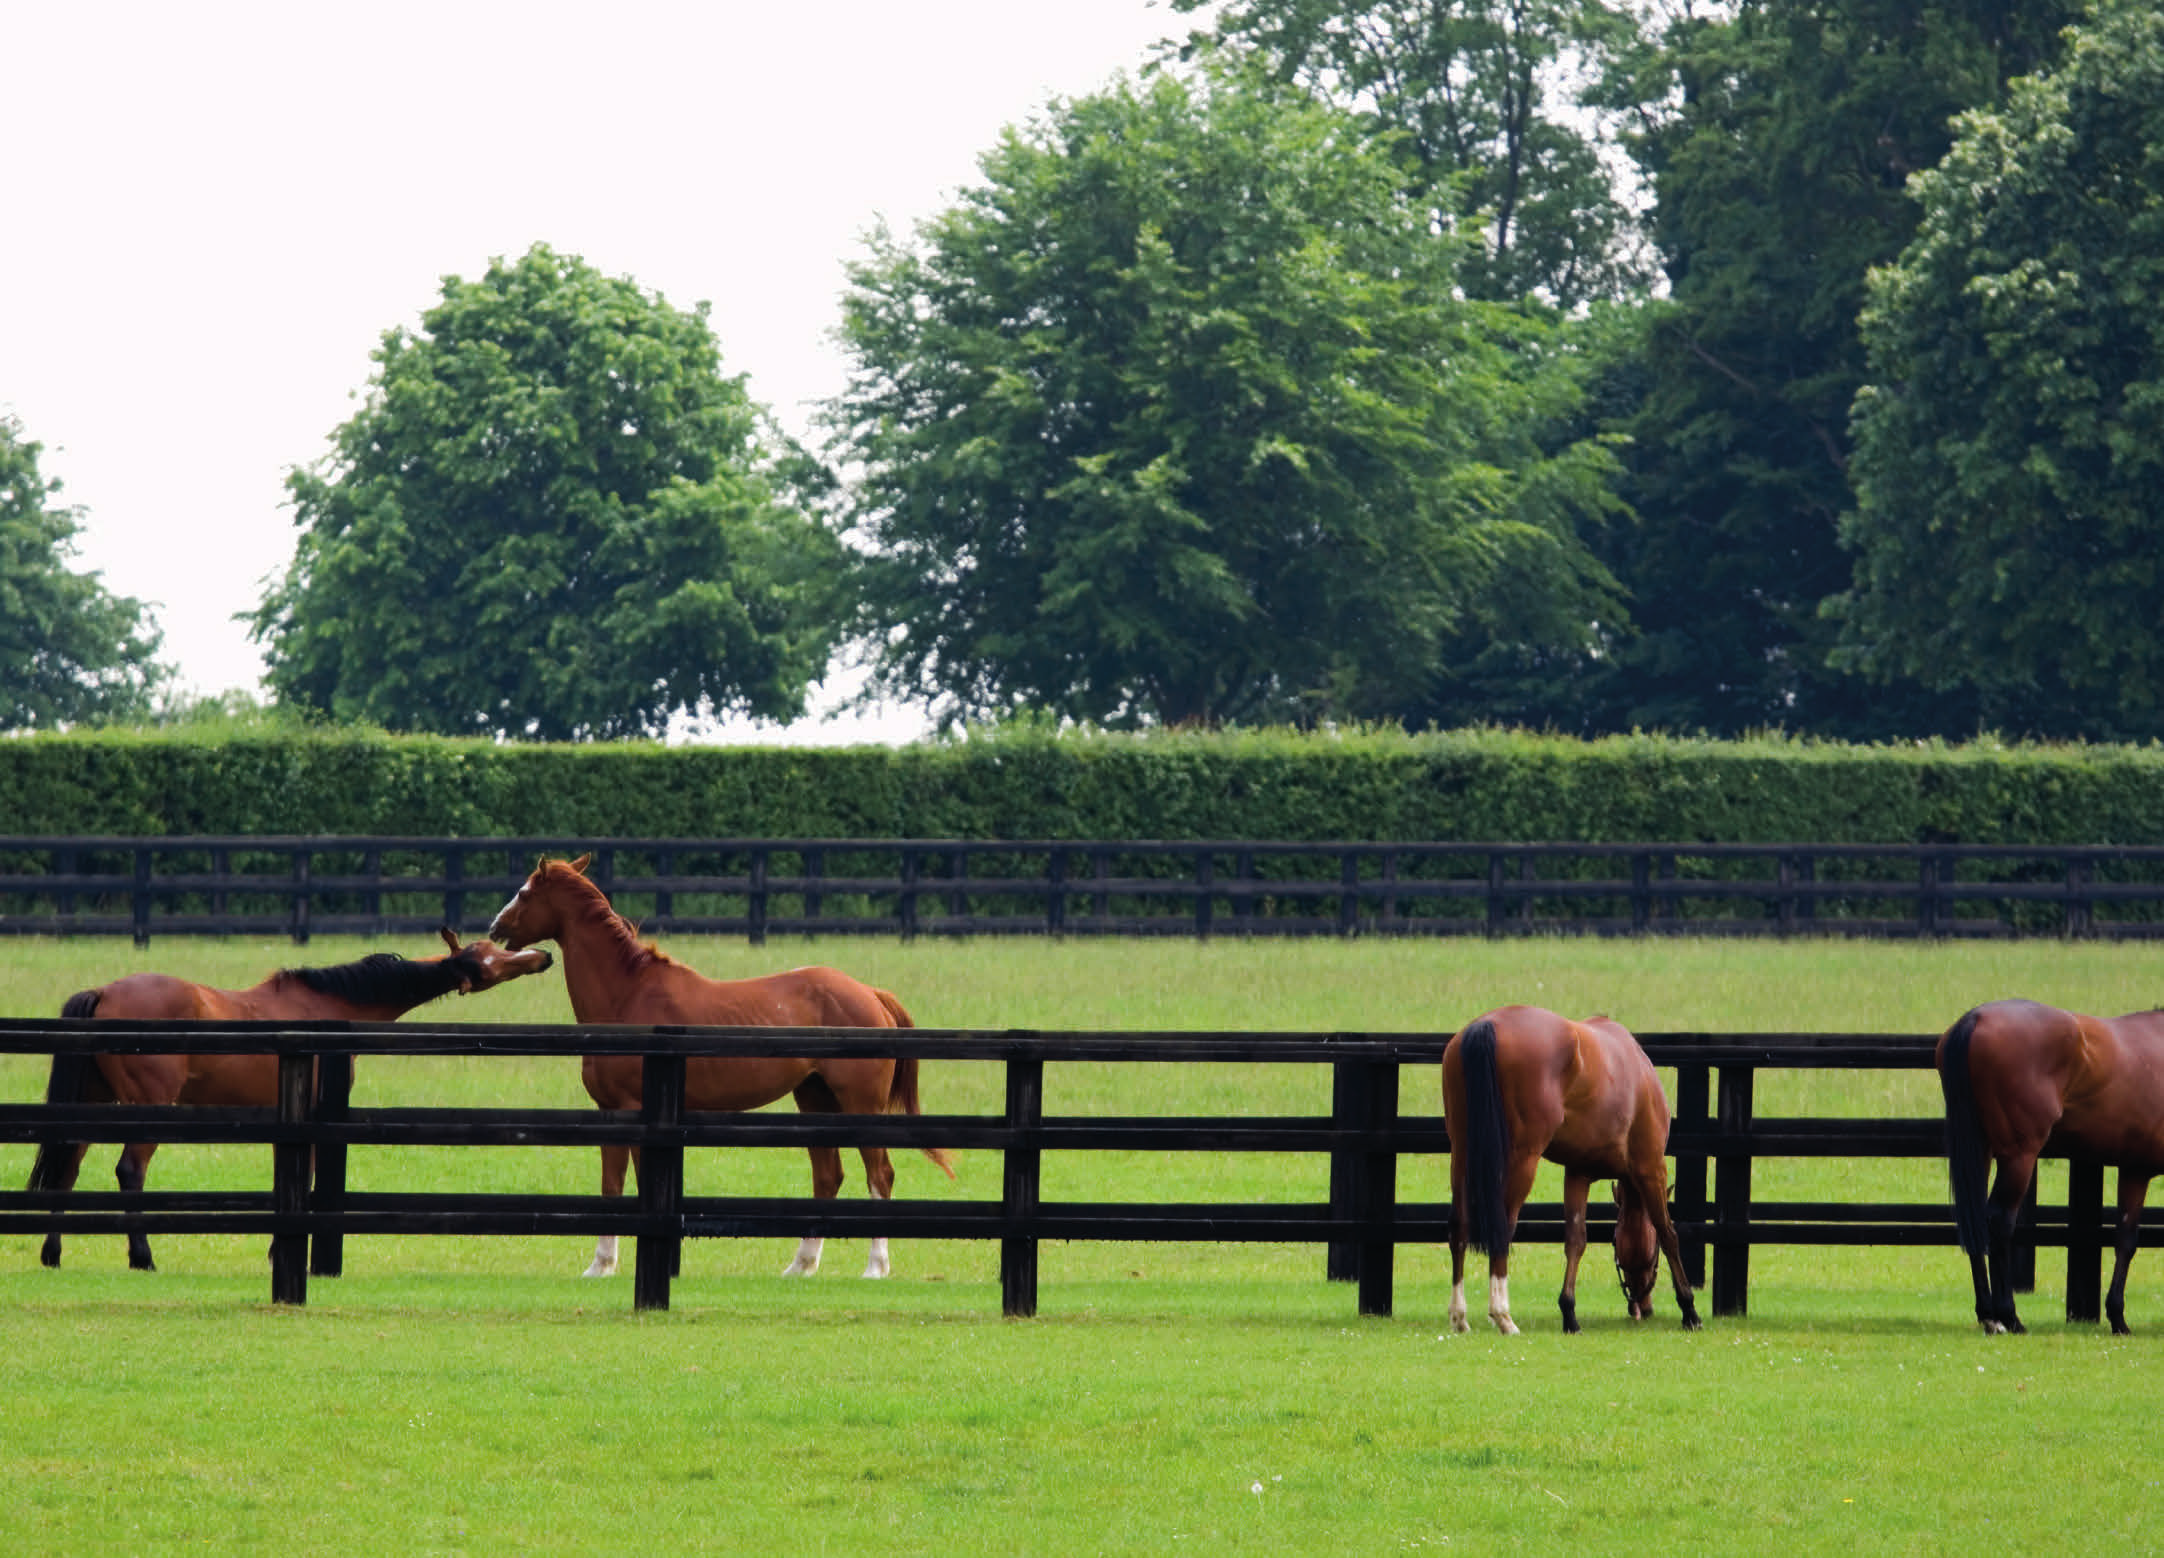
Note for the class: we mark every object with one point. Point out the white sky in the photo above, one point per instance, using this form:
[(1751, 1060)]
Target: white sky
[(217, 210)]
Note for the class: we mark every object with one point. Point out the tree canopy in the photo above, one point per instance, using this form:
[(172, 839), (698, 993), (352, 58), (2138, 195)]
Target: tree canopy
[(1175, 417), (1779, 170), (1476, 97), (71, 652), (2009, 522), (553, 517)]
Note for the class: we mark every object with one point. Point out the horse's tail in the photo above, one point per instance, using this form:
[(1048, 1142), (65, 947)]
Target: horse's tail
[(1487, 1141), (67, 1084), (1967, 1160), (902, 1091)]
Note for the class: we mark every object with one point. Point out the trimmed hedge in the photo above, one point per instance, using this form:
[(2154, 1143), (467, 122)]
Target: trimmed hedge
[(1363, 785)]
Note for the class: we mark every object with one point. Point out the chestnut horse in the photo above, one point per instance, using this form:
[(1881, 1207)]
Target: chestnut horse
[(613, 977), (381, 987), (2018, 1075), (1520, 1084)]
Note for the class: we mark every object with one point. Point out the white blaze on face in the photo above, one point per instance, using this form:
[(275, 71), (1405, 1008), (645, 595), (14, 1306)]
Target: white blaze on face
[(517, 898)]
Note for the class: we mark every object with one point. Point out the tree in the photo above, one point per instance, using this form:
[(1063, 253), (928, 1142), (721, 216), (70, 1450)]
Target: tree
[(1779, 181), (1469, 89), (71, 652), (1174, 418), (553, 517), (2009, 522)]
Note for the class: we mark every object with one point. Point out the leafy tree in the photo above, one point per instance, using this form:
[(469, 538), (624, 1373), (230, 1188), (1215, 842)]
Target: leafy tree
[(1174, 418), (70, 651), (2009, 527), (1477, 95), (1779, 181), (553, 517)]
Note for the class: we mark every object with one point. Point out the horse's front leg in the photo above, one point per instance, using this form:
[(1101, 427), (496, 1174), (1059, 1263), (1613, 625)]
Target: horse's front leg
[(1654, 1193), (2133, 1193), (614, 1160), (1577, 1190)]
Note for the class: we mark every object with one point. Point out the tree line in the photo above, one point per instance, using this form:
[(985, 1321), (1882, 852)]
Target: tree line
[(1782, 364)]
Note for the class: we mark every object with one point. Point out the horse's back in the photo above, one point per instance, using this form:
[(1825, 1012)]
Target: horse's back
[(163, 998)]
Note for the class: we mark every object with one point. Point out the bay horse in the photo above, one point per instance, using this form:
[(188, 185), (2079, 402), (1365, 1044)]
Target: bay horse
[(2019, 1075), (1521, 1083), (381, 987), (614, 977)]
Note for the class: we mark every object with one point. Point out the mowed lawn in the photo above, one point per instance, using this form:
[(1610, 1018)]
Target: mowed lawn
[(477, 1395)]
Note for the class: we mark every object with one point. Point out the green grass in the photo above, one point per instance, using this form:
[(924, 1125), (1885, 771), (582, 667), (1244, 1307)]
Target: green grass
[(476, 1395)]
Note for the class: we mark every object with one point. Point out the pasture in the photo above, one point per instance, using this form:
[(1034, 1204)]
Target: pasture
[(474, 1395)]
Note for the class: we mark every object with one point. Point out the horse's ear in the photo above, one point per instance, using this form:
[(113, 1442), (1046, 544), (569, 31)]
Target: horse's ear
[(579, 865), (450, 939)]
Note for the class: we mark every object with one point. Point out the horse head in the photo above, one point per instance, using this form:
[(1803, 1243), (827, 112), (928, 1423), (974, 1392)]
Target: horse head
[(483, 965), (1637, 1252), (538, 911)]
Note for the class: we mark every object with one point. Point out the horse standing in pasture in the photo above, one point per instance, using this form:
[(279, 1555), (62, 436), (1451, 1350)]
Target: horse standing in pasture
[(1521, 1083), (614, 977), (2019, 1076), (381, 987)]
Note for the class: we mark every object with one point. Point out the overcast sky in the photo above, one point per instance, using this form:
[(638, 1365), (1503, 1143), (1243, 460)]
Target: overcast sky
[(217, 209)]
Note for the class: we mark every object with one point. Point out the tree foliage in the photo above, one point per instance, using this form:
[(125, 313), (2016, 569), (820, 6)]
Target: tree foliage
[(71, 652), (1779, 180), (1175, 418), (1477, 96), (553, 517), (2009, 527)]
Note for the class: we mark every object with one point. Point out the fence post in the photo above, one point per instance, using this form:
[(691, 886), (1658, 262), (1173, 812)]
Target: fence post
[(1694, 1109), (334, 1101), (1205, 867), (1348, 901), (905, 905), (2084, 1239), (139, 900), (454, 890), (1641, 892), (756, 904), (1376, 1190), (303, 864), (661, 1181), (289, 1180), (2024, 1251), (1020, 1185), (1348, 1110), (1732, 1196), (815, 866), (2080, 912), (1055, 898)]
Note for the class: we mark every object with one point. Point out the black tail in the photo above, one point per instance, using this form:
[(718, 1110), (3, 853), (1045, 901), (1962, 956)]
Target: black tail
[(1968, 1163), (68, 1084), (1487, 1142)]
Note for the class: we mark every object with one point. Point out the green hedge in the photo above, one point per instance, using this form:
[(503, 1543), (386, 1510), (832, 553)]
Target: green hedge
[(1380, 785)]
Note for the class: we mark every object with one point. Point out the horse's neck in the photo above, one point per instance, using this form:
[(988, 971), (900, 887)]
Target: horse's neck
[(603, 959)]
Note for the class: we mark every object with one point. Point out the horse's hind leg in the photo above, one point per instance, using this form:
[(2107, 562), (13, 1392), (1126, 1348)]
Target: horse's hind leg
[(1517, 1185), (1458, 1321), (1577, 1190), (614, 1160), (131, 1171), (2133, 1192), (879, 1181), (72, 1165), (2008, 1188)]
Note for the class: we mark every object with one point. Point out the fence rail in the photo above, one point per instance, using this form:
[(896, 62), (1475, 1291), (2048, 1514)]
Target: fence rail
[(302, 886), (1715, 1140)]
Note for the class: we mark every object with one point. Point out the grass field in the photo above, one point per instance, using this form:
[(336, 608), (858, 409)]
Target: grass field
[(476, 1395)]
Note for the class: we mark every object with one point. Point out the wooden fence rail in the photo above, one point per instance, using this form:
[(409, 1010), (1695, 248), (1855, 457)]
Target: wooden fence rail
[(301, 886), (1715, 1139)]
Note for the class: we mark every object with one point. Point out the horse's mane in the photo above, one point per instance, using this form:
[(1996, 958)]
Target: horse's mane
[(381, 979), (622, 933)]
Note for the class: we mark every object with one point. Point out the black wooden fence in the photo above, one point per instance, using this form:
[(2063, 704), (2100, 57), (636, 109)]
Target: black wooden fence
[(1715, 1139), (300, 886)]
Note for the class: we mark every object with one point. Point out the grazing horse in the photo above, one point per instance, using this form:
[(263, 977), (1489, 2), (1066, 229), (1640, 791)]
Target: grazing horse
[(381, 987), (1520, 1084), (2017, 1076), (613, 977)]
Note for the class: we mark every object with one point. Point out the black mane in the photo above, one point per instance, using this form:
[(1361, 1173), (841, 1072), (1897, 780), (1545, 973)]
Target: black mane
[(382, 978)]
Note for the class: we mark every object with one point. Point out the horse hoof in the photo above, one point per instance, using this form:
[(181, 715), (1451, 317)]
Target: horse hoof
[(1505, 1324), (2016, 1328), (1693, 1323), (598, 1270), (2119, 1327), (1460, 1324)]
